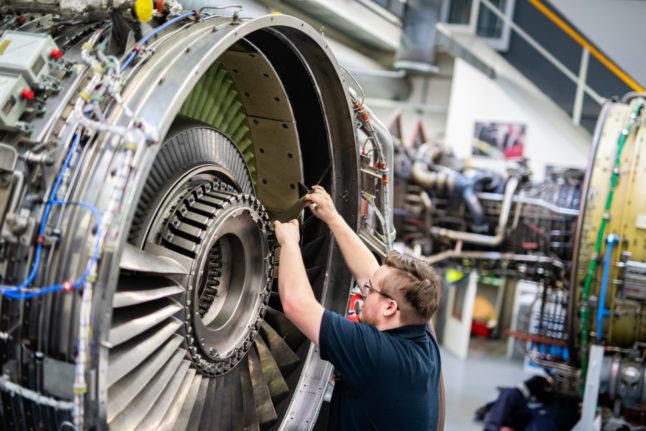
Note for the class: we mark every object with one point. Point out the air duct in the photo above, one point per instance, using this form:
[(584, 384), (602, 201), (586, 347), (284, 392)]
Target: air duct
[(417, 46)]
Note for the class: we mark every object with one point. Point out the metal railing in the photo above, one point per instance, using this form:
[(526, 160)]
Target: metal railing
[(587, 49)]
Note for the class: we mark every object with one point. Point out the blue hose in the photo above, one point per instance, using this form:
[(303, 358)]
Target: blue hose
[(48, 209), (15, 292), (602, 311), (146, 38)]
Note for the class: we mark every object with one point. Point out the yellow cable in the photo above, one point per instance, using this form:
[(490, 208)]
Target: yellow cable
[(584, 43)]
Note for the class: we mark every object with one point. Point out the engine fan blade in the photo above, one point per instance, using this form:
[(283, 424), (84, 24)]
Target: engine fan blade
[(185, 400), (249, 415), (137, 409), (128, 322), (134, 259), (277, 385), (194, 412), (127, 356), (123, 391), (138, 289), (290, 333), (284, 356), (175, 391), (264, 406)]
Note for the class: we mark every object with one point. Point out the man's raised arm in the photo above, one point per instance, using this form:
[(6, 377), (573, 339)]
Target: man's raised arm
[(361, 262), (296, 296)]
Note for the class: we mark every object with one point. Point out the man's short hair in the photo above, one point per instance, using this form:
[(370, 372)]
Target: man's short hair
[(416, 282)]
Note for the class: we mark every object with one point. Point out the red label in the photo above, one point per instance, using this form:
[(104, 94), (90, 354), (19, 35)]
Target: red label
[(354, 308)]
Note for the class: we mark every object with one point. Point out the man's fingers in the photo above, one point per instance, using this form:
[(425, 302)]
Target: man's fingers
[(314, 199), (278, 224)]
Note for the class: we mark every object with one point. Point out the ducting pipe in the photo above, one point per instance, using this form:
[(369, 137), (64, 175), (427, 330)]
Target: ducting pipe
[(426, 156), (487, 240), (465, 187), (447, 181), (417, 45)]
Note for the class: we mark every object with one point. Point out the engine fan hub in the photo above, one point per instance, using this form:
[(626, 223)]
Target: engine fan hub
[(229, 285)]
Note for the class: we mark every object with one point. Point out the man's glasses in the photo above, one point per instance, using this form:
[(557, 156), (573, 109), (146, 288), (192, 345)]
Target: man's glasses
[(367, 287)]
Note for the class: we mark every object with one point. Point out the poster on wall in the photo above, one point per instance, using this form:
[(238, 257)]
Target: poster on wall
[(499, 140)]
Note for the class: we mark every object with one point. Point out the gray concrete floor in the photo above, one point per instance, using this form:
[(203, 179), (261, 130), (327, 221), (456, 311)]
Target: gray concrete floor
[(472, 382)]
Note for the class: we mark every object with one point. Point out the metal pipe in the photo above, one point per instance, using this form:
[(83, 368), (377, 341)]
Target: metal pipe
[(488, 240), (519, 209), (578, 98), (228, 8), (385, 148), (428, 209), (426, 155), (532, 201), (583, 42), (17, 188), (492, 255), (538, 47), (473, 205), (72, 7), (15, 389), (547, 205)]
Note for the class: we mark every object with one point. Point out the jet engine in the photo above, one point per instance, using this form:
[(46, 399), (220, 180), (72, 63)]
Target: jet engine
[(144, 154)]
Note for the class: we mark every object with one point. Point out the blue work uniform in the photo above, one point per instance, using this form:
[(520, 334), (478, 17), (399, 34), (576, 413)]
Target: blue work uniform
[(388, 380)]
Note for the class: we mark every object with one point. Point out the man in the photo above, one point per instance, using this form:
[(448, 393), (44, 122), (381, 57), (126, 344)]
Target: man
[(389, 364), (530, 406)]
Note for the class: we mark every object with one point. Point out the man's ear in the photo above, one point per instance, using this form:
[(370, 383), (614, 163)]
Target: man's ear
[(390, 309)]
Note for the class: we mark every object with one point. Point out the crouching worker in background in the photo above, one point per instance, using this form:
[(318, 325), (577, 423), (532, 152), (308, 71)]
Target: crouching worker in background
[(389, 363), (530, 406)]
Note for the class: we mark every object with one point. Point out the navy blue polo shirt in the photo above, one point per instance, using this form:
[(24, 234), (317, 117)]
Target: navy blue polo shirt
[(389, 380)]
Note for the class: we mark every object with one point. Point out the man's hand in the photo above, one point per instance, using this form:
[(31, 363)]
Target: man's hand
[(320, 202), (287, 233)]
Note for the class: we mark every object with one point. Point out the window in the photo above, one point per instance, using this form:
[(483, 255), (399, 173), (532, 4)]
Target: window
[(489, 26)]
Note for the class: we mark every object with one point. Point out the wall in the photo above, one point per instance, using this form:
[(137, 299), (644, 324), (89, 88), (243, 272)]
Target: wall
[(428, 102), (550, 137)]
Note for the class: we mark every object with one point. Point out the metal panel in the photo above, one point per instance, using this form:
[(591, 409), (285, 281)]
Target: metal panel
[(278, 163), (264, 101), (58, 378), (635, 280)]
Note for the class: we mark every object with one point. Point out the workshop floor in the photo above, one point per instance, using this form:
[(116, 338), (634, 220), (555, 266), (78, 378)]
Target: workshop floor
[(472, 382)]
